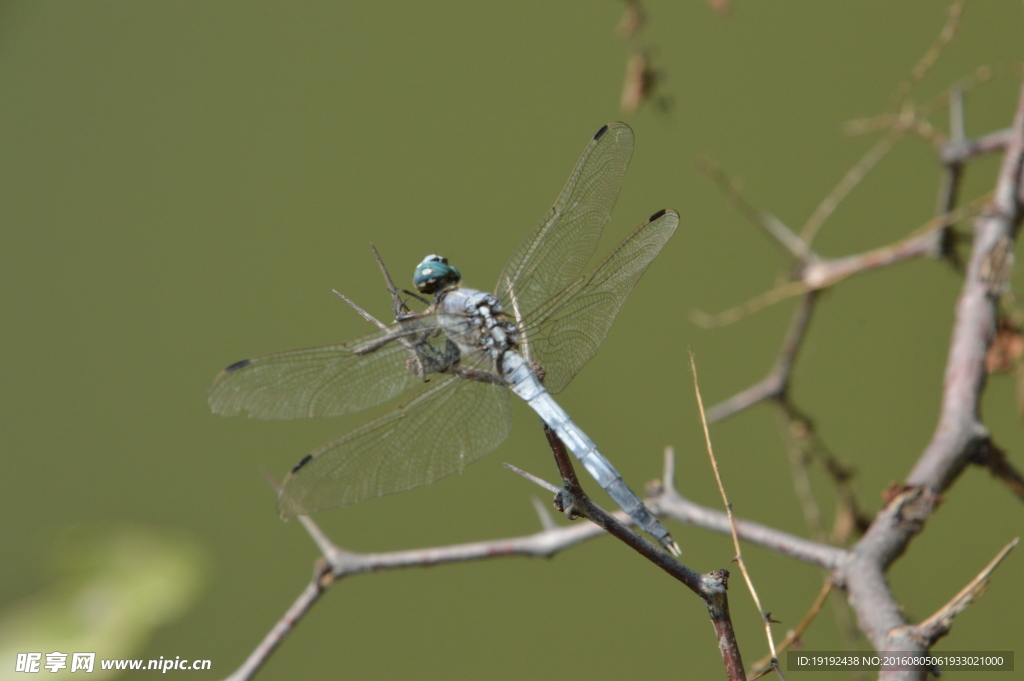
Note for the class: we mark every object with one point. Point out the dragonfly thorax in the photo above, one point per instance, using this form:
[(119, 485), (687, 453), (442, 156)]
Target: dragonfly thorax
[(474, 321)]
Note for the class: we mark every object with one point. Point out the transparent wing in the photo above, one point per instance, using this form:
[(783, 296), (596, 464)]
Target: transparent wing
[(439, 432), (555, 253), (565, 332), (327, 381)]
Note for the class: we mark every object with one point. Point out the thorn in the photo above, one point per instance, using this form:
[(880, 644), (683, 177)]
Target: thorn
[(363, 313), (540, 482), (546, 521), (271, 480), (668, 475)]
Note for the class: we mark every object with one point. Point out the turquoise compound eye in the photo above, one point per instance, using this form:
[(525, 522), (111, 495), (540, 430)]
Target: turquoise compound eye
[(434, 274)]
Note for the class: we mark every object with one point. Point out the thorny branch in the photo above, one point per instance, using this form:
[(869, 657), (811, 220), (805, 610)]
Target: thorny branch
[(712, 588), (815, 273), (766, 616), (939, 624), (793, 635), (958, 151), (322, 580), (960, 437), (775, 385), (550, 541), (959, 433)]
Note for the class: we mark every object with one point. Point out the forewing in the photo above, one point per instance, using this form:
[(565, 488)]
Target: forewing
[(565, 332), (439, 432), (558, 248), (325, 381)]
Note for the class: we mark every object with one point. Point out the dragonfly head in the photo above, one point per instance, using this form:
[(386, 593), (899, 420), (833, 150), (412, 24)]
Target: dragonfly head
[(435, 274)]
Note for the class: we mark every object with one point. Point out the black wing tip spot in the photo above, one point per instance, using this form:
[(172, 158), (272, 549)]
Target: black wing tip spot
[(657, 215), (600, 133), (238, 365), (306, 459)]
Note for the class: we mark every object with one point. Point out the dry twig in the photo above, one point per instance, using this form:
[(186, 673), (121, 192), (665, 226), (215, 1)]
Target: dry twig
[(766, 616)]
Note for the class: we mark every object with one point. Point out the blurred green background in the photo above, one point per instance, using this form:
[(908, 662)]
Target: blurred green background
[(184, 183)]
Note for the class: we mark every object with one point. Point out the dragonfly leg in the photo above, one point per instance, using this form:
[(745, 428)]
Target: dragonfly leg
[(415, 295), (397, 304), (426, 358), (414, 365), (539, 371), (413, 315), (475, 374)]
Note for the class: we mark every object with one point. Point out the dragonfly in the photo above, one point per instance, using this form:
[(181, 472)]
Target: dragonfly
[(465, 354)]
